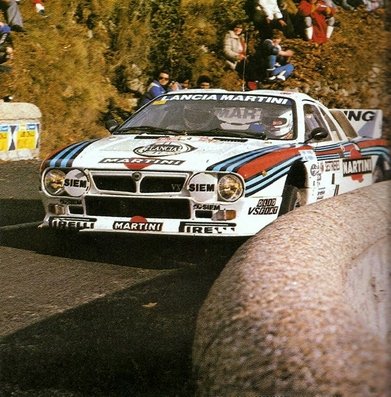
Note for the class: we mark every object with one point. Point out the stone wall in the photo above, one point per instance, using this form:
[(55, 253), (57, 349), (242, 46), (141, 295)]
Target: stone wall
[(302, 308), (20, 128)]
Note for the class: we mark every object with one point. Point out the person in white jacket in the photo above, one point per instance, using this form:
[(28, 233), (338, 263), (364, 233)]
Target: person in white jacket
[(268, 16), (235, 47)]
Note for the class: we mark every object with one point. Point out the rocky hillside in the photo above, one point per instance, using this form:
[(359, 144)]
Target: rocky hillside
[(92, 58)]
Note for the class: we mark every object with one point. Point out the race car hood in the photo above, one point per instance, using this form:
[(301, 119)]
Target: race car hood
[(154, 153)]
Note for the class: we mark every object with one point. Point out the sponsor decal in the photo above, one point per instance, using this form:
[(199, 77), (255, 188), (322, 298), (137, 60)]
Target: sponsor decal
[(207, 207), (367, 122), (308, 155), (202, 187), (137, 160), (264, 207), (26, 136), (360, 115), (357, 166), (164, 149), (76, 183), (224, 97), (72, 223), (138, 224), (321, 193), (5, 138), (66, 201), (315, 169), (136, 163), (332, 165), (207, 228), (239, 115)]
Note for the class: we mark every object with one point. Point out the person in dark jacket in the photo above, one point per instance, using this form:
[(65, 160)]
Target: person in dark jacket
[(275, 59), (6, 45), (159, 86)]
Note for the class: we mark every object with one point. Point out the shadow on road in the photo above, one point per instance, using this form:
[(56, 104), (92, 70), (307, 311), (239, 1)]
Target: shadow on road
[(133, 343), (136, 342)]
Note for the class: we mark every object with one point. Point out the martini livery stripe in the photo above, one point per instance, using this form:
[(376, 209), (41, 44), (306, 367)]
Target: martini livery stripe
[(65, 157), (259, 182), (237, 161)]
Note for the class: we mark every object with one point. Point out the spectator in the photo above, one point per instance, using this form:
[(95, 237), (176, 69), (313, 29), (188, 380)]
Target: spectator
[(346, 5), (39, 7), (275, 59), (204, 82), (12, 15), (235, 47), (289, 14), (268, 16), (372, 5), (184, 81), (318, 19), (6, 46), (158, 87)]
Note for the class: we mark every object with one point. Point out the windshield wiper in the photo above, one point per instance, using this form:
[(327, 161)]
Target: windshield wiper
[(229, 133), (151, 130)]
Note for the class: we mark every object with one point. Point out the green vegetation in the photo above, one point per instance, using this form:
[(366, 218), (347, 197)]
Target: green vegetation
[(93, 58)]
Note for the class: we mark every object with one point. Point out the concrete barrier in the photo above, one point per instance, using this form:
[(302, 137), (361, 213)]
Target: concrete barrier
[(20, 125), (303, 307)]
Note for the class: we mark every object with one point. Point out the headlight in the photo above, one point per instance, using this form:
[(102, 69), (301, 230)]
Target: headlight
[(230, 187), (54, 182), (73, 183)]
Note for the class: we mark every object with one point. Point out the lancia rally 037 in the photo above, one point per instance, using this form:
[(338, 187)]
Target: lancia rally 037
[(210, 162)]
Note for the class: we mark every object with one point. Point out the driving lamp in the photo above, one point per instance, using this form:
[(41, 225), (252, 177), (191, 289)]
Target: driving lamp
[(230, 187), (54, 182)]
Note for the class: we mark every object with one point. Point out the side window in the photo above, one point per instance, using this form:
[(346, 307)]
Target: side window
[(332, 127), (313, 119), (343, 121)]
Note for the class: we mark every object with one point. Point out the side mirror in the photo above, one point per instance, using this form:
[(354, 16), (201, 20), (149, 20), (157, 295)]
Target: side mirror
[(317, 134), (111, 125)]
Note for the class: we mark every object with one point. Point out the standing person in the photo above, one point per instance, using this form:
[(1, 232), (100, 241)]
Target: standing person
[(318, 19), (235, 47), (159, 86), (12, 15), (275, 59), (267, 17), (6, 46)]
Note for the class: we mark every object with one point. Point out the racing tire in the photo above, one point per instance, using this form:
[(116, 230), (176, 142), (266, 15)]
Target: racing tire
[(291, 199)]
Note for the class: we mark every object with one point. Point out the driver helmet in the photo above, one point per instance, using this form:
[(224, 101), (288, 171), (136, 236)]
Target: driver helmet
[(280, 126), (197, 116)]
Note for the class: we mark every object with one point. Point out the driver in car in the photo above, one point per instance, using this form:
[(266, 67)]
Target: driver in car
[(279, 127), (200, 118)]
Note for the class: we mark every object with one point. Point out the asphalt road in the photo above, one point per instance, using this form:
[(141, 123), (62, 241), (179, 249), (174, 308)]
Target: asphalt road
[(94, 315)]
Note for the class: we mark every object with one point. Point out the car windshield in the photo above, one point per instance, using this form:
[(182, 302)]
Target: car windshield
[(215, 114)]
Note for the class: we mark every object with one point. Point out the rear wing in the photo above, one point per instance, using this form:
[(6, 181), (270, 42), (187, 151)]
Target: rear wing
[(365, 122)]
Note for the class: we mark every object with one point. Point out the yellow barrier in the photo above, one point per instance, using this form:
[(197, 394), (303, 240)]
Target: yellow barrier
[(20, 127), (303, 307)]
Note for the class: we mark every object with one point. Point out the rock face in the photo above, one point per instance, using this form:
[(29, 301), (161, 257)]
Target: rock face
[(302, 308)]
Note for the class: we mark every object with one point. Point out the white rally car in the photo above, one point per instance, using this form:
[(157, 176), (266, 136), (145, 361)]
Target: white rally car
[(210, 162)]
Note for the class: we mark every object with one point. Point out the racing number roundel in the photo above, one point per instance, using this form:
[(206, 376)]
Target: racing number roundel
[(76, 183)]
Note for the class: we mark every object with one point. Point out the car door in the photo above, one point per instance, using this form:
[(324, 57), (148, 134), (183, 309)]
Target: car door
[(329, 151)]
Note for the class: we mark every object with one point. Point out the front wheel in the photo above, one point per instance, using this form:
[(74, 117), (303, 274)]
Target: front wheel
[(291, 198)]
